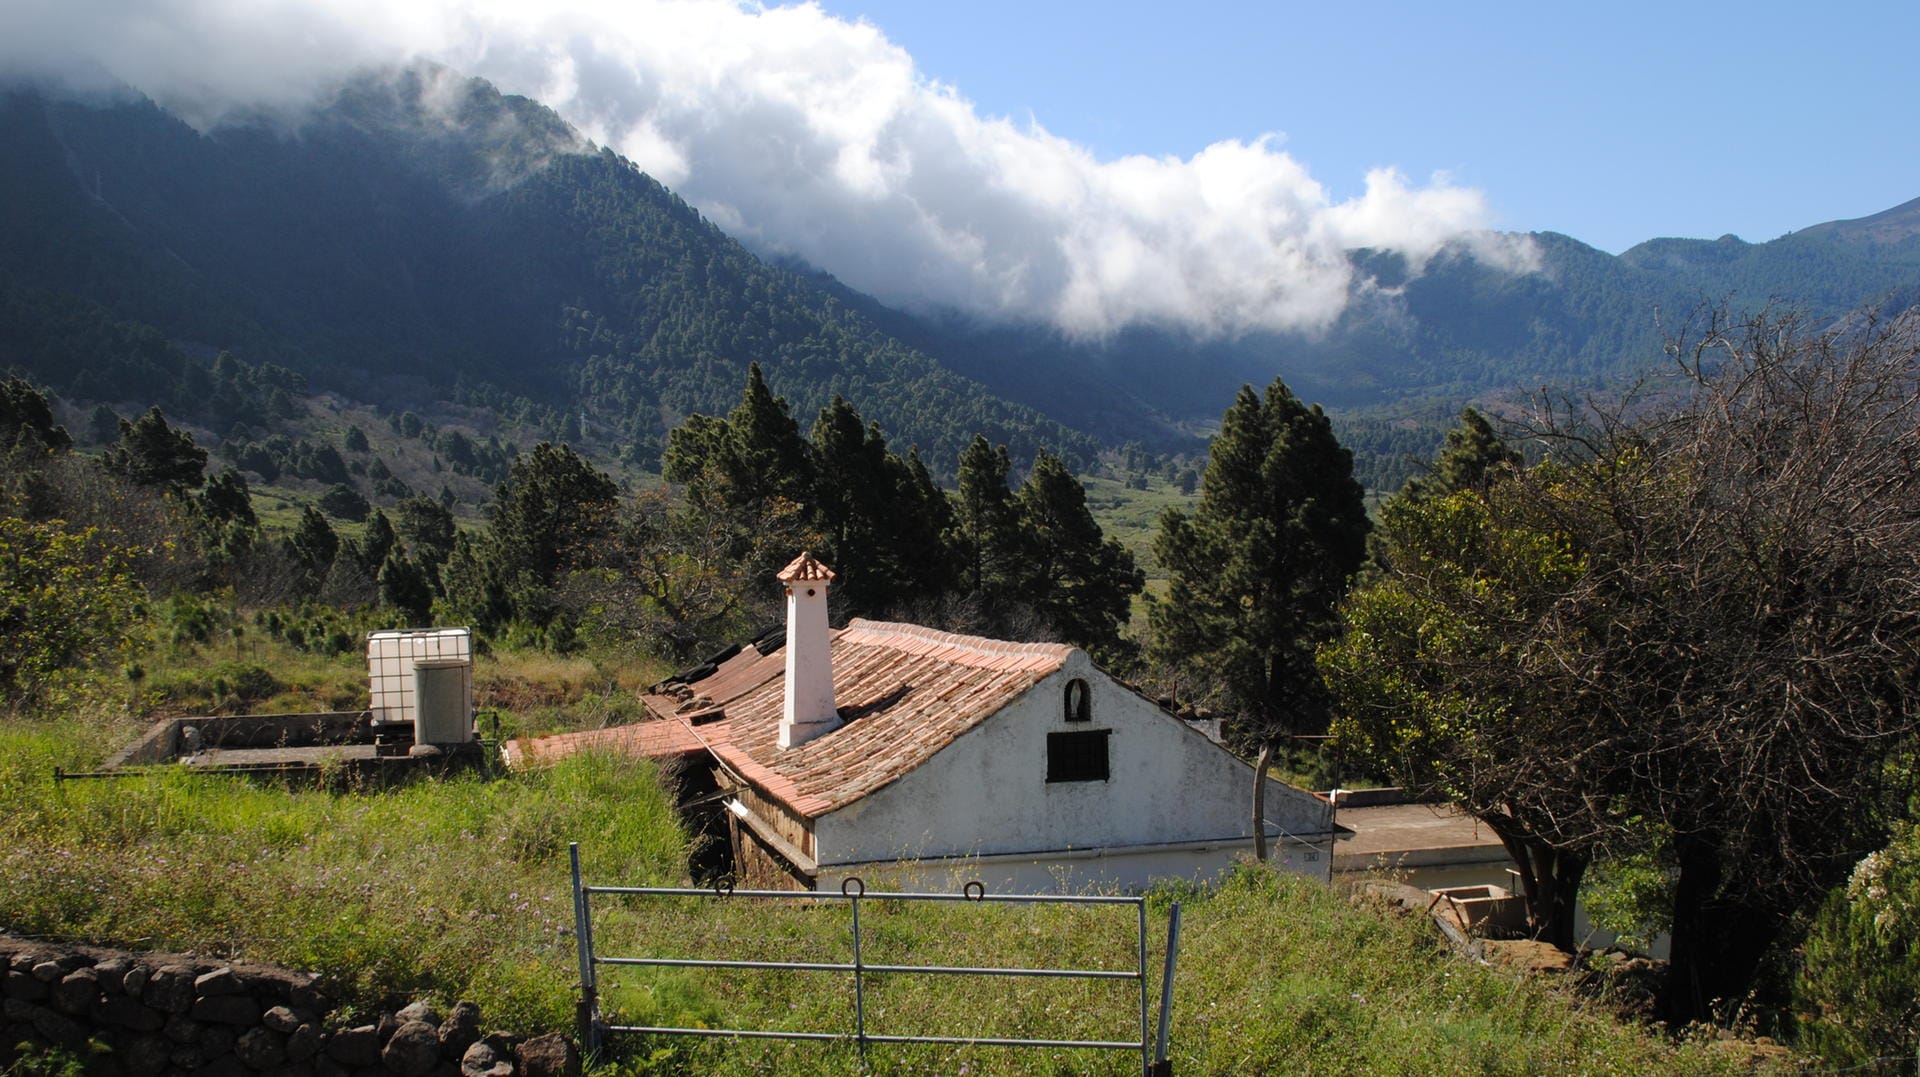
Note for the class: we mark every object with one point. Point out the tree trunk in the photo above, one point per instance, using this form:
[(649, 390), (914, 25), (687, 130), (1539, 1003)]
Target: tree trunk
[(1549, 878), (1719, 938), (1260, 765)]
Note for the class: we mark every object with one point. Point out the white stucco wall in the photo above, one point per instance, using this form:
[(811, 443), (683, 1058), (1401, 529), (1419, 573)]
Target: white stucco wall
[(1174, 803)]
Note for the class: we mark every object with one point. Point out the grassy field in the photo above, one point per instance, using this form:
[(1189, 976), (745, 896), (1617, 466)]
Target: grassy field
[(458, 889)]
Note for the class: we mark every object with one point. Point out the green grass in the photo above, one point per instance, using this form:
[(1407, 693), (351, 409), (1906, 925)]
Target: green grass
[(458, 889), (1132, 516), (1277, 974), (454, 888)]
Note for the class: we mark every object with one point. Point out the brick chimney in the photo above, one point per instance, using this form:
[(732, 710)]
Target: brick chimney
[(810, 707)]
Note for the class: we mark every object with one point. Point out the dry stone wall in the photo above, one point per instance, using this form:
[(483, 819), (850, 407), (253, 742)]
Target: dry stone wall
[(160, 1015)]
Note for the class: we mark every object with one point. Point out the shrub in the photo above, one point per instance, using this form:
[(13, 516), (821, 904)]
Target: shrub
[(1860, 983)]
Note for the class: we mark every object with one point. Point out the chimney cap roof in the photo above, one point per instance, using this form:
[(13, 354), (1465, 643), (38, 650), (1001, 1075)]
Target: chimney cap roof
[(805, 568)]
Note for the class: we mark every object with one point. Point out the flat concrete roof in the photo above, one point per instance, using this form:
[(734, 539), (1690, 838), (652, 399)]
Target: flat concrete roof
[(1406, 835)]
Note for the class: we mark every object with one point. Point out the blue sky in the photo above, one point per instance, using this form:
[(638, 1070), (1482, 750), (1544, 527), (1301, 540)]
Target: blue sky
[(1612, 122)]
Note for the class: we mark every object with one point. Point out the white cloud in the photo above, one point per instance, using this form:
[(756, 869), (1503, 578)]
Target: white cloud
[(806, 134)]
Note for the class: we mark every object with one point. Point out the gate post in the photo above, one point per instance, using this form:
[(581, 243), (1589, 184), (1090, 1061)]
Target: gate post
[(1162, 1065), (588, 1015)]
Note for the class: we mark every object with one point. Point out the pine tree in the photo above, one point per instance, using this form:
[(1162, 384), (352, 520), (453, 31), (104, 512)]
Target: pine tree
[(1081, 582), (152, 453), (312, 547), (548, 512), (768, 458), (986, 536), (1255, 572), (1470, 460), (870, 508)]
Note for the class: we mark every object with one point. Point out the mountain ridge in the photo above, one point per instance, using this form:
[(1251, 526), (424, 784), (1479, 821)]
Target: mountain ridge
[(422, 235)]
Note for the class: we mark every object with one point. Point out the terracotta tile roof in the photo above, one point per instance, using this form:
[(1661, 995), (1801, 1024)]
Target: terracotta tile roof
[(904, 693), (654, 740), (804, 568)]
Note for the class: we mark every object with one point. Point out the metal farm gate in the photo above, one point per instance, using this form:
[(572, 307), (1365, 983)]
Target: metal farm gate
[(1152, 1044)]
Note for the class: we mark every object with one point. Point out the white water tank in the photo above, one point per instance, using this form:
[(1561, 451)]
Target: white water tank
[(423, 677)]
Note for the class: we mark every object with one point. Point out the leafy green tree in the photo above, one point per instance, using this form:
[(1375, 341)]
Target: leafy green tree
[(356, 440), (67, 602), (152, 453), (1428, 694), (1256, 571), (1081, 582)]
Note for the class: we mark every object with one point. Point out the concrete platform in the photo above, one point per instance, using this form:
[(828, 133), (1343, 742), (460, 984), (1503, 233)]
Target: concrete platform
[(1398, 838)]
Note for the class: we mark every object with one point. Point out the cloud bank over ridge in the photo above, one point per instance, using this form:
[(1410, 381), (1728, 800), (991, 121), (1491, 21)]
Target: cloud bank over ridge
[(802, 133)]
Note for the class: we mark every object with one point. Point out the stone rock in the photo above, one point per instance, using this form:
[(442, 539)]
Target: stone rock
[(170, 989), (226, 1010), (387, 1026), (303, 1042), (419, 1011), (355, 1047), (119, 1011), (75, 991), (552, 1055), (280, 1019), (26, 987), (23, 961), (135, 980), (190, 1057), (261, 1048), (48, 971), (224, 1066), (112, 974), (181, 1029), (58, 1029), (17, 1009), (293, 1069), (460, 1030), (217, 1040), (218, 982), (414, 1049), (144, 1056), (73, 960), (305, 994), (481, 1060), (327, 1067)]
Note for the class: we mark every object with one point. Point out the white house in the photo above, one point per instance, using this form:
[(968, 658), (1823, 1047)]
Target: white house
[(925, 759)]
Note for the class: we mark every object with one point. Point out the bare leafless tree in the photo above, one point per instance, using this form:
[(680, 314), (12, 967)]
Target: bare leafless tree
[(1696, 623)]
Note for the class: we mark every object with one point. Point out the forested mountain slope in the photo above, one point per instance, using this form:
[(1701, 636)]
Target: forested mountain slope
[(423, 236)]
